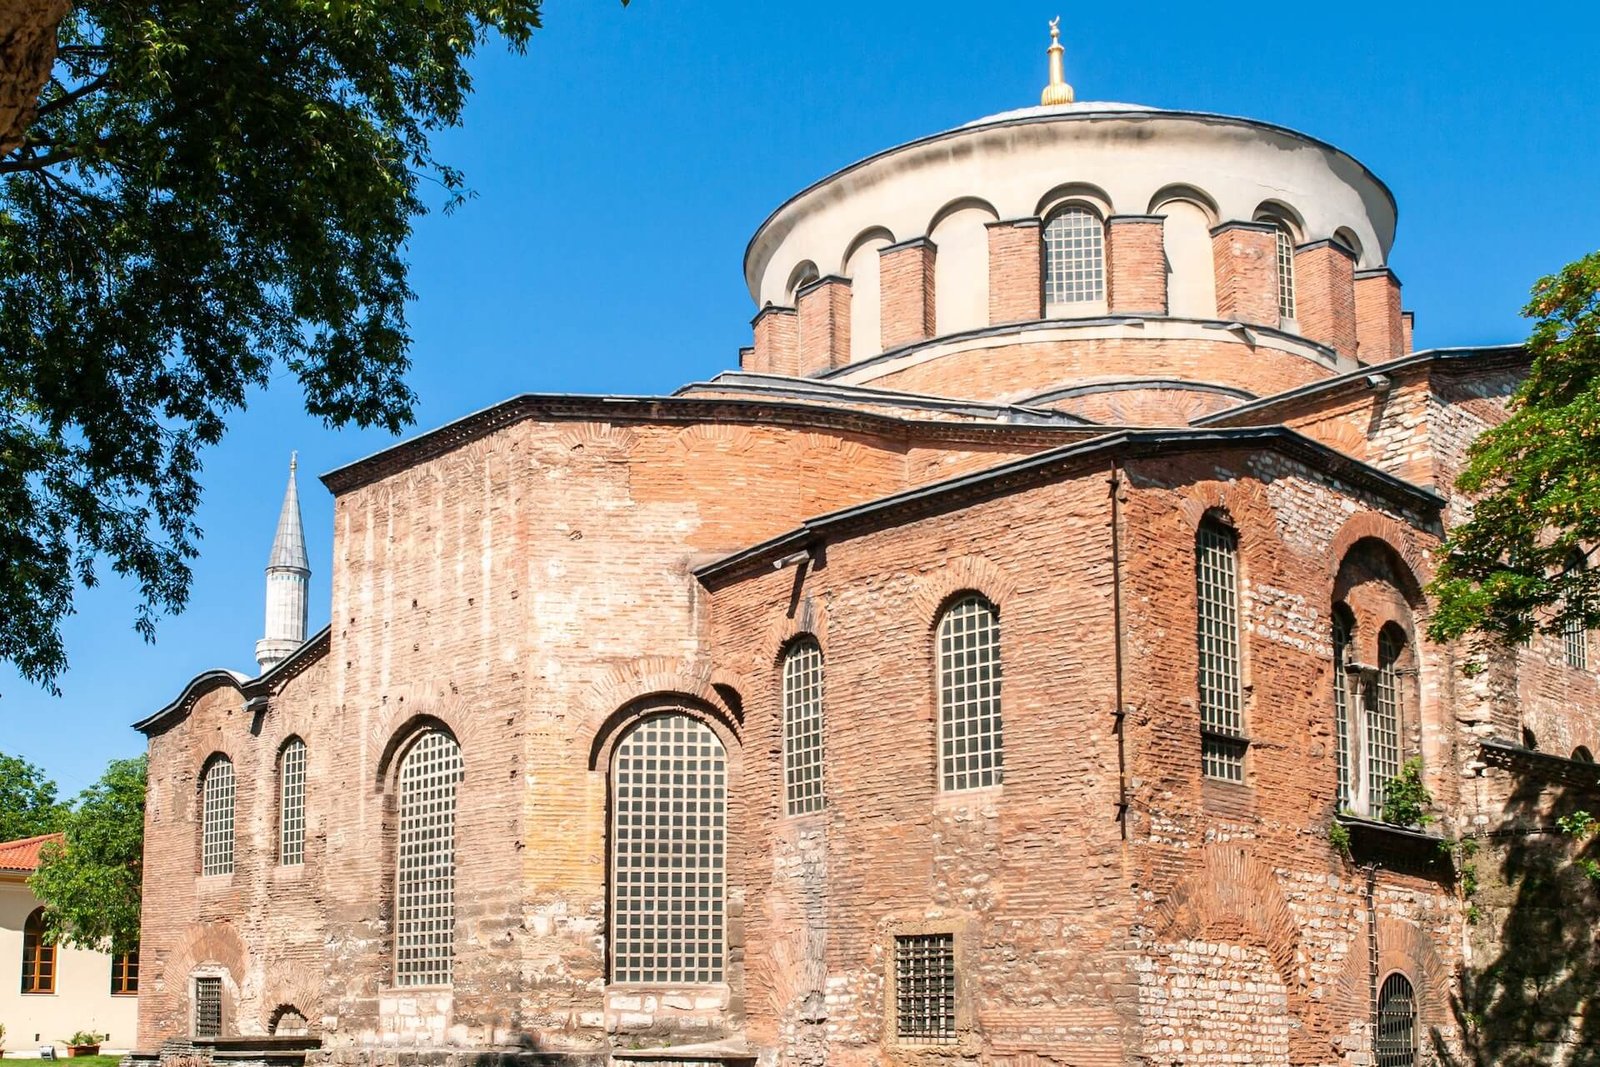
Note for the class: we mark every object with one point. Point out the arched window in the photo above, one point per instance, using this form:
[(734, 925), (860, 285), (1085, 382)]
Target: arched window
[(1222, 744), (38, 956), (1582, 755), (1074, 258), (292, 803), (1343, 630), (1383, 717), (1284, 238), (668, 841), (425, 912), (971, 748), (802, 727), (1574, 635), (216, 818), (1396, 1044)]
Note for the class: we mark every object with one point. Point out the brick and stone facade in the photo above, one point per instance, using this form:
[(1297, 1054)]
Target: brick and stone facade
[(536, 580)]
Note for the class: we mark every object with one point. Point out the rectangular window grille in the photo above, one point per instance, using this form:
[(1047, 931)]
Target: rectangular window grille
[(1074, 258), (925, 988), (802, 728), (1217, 626), (970, 739), (216, 836), (124, 974), (292, 804), (1575, 639), (668, 840), (1285, 272), (208, 1007), (1341, 707), (1383, 722), (38, 956), (425, 913)]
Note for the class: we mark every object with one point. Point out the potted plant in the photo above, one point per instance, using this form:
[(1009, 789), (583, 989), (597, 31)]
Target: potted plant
[(84, 1043)]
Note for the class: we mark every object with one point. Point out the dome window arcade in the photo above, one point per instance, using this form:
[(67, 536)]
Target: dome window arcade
[(1074, 261), (1285, 240)]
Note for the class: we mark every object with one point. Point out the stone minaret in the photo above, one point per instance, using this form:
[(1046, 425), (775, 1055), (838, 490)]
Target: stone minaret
[(288, 572)]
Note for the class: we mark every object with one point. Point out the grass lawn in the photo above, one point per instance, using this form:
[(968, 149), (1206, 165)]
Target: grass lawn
[(88, 1061)]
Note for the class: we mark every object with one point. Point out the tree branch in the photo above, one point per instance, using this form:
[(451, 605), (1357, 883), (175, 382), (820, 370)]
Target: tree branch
[(73, 97), (33, 162)]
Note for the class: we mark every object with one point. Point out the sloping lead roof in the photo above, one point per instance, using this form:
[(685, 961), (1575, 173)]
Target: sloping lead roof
[(289, 543), (23, 854), (314, 647)]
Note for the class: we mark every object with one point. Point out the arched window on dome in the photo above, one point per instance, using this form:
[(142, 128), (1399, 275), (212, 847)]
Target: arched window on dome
[(1074, 261), (1284, 236), (1396, 1043)]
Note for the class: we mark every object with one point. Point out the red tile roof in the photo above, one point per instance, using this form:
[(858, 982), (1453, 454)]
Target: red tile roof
[(23, 855)]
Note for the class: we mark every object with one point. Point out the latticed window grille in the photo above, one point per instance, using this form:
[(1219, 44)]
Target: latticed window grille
[(971, 744), (124, 974), (1222, 743), (38, 956), (216, 819), (292, 804), (208, 1007), (669, 829), (1574, 636), (802, 728), (425, 913), (1396, 1044), (1285, 243), (925, 988), (1074, 257), (1383, 719), (1341, 702)]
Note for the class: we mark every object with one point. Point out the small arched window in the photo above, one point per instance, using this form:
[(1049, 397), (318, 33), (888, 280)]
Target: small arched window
[(1222, 744), (668, 841), (38, 956), (1396, 1044), (425, 912), (216, 818), (1383, 716), (292, 803), (802, 727), (1074, 258), (1343, 630), (971, 744), (1283, 237)]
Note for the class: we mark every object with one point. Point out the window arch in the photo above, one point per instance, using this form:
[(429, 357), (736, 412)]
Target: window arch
[(1582, 755), (1383, 716), (292, 803), (1396, 1044), (425, 884), (1074, 258), (971, 741), (38, 955), (1284, 239), (802, 727), (668, 847), (1344, 628), (216, 818), (1222, 740)]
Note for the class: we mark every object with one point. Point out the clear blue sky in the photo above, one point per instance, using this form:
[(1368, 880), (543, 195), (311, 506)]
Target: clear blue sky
[(622, 164)]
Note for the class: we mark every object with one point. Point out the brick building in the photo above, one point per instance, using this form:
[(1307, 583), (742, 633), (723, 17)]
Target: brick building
[(1007, 664)]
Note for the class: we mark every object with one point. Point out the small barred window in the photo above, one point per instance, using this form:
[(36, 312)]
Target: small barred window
[(669, 826), (1074, 258), (970, 739), (208, 1007), (292, 804), (216, 821), (1342, 630), (1383, 718), (125, 974), (802, 728), (38, 956), (425, 918), (925, 988), (1222, 744), (1396, 1044)]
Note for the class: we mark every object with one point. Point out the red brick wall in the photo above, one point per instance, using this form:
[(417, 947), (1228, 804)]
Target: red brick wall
[(777, 347), (1378, 326), (1136, 265), (906, 292), (1247, 272), (1016, 292), (824, 324), (1325, 298)]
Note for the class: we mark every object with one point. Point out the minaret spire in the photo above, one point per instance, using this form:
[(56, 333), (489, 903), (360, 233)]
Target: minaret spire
[(288, 572), (1058, 91)]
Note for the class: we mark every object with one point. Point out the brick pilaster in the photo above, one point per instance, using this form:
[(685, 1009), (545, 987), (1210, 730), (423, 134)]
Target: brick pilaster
[(777, 348), (1016, 290), (1325, 295), (905, 301), (1247, 272), (1379, 330), (1408, 324), (1136, 265), (824, 313)]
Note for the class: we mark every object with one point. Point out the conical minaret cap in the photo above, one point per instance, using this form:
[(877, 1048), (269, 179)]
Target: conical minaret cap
[(289, 543)]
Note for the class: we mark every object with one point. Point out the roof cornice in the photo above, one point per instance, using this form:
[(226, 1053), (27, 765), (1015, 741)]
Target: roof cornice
[(289, 667)]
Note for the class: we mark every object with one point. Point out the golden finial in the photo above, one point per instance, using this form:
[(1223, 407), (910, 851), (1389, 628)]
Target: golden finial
[(1058, 91)]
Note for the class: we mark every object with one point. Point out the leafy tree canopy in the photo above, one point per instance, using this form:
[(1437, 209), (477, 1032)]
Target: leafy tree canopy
[(28, 805), (90, 886), (209, 192), (1522, 560)]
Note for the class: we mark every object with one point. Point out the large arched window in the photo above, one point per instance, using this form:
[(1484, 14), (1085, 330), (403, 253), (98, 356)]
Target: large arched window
[(292, 803), (1343, 630), (38, 956), (971, 744), (425, 897), (668, 840), (1074, 259), (1383, 716), (1396, 1044), (802, 727), (216, 818), (1222, 744)]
